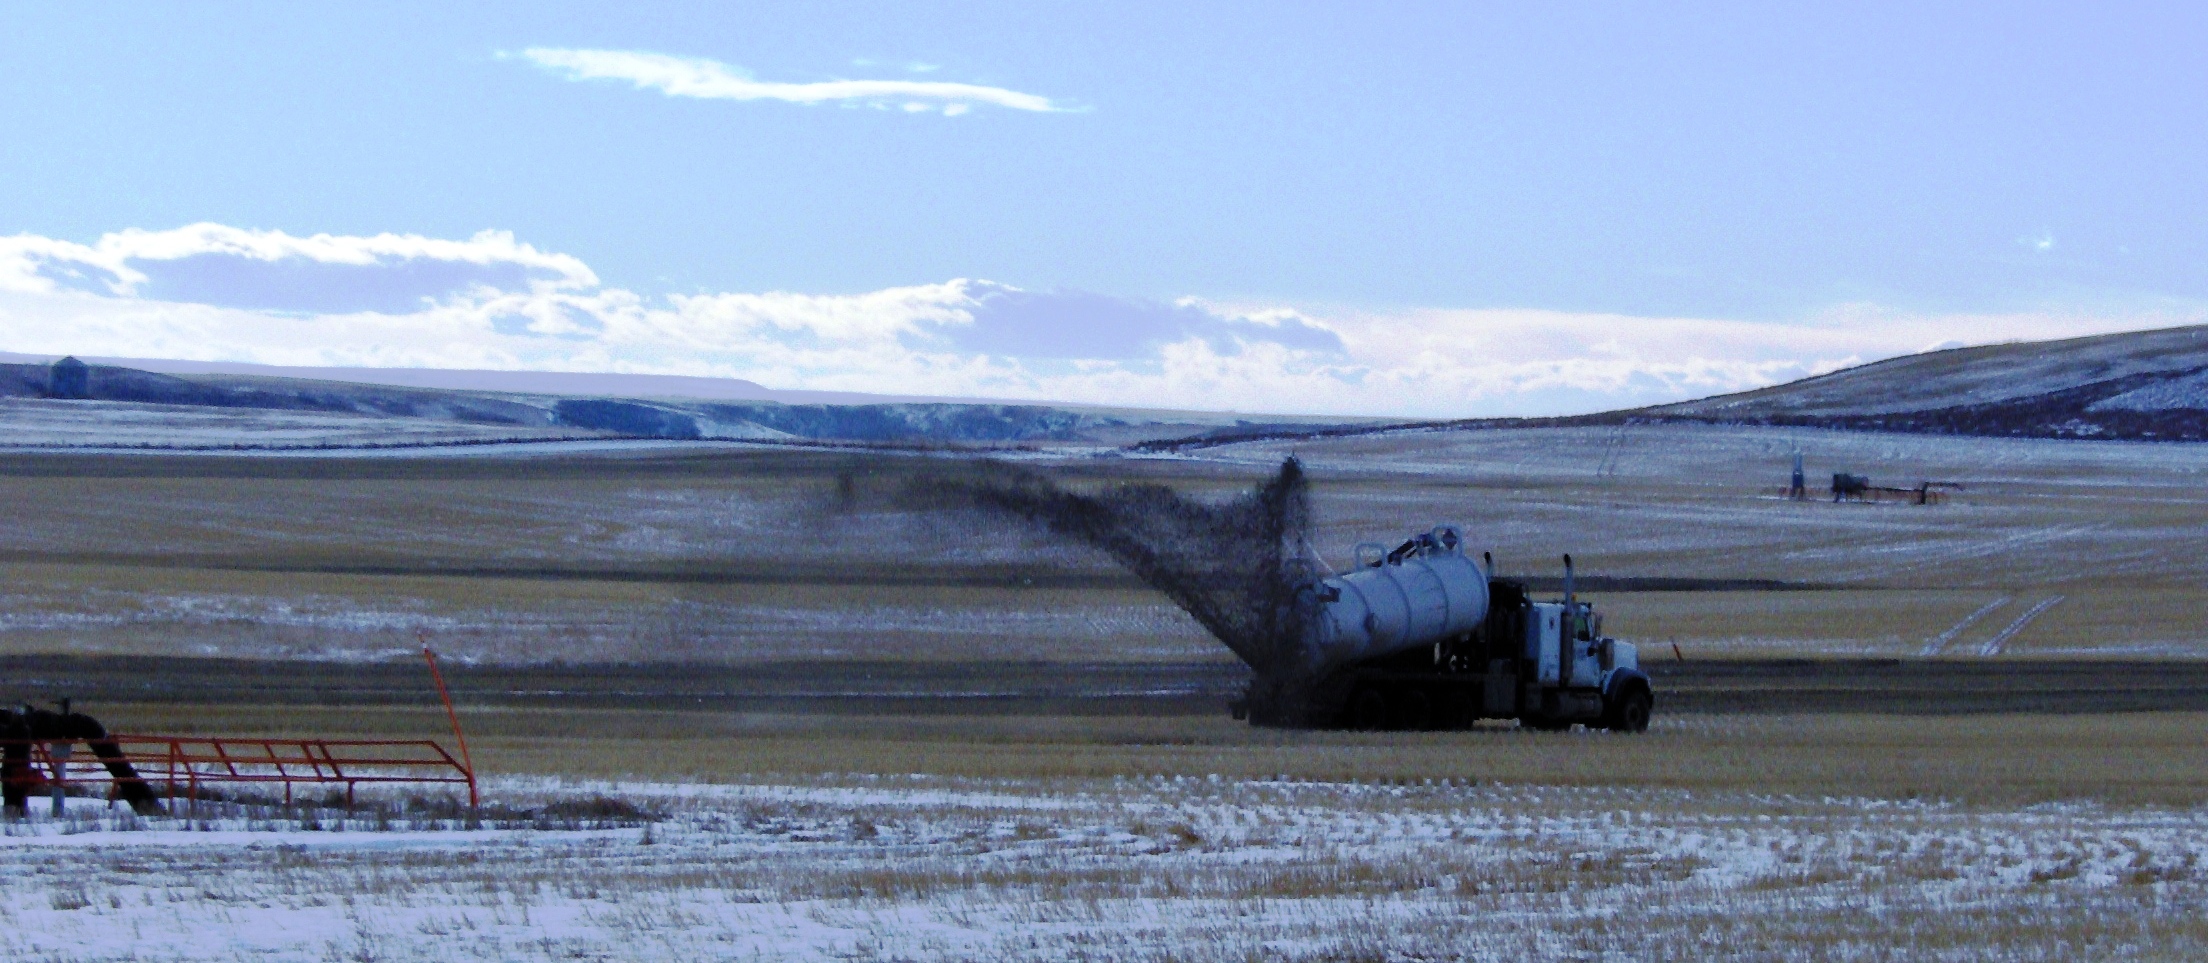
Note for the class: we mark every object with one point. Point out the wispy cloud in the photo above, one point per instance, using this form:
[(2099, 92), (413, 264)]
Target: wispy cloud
[(713, 80), (235, 266), (215, 293), (916, 66)]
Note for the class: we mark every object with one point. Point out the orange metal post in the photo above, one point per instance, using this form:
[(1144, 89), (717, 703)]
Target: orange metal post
[(474, 798)]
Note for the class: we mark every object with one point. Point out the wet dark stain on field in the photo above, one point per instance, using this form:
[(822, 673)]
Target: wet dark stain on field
[(1756, 687)]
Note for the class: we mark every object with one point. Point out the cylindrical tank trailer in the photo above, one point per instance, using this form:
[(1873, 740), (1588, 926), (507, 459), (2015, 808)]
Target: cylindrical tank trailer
[(1426, 637), (1399, 600)]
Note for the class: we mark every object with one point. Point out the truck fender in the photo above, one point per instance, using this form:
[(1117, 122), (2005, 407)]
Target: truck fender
[(1619, 679)]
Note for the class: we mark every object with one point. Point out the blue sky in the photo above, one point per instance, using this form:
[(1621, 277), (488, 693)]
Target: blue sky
[(1421, 210)]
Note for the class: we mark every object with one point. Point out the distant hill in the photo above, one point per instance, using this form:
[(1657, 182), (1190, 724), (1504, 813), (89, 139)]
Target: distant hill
[(2138, 385), (2144, 385), (564, 383), (139, 398), (2134, 385)]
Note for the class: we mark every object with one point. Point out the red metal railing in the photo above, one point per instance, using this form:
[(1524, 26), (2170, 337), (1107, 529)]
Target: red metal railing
[(179, 766)]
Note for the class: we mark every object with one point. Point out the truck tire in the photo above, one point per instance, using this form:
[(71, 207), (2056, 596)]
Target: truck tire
[(1454, 711), (1630, 713), (1368, 710), (1414, 710)]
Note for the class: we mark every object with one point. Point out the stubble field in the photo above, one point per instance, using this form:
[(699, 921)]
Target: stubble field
[(860, 731), (870, 866), (740, 555)]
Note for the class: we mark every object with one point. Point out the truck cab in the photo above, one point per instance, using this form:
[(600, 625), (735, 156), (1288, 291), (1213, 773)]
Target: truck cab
[(1578, 674)]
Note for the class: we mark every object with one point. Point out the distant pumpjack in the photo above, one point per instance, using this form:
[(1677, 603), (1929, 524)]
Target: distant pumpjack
[(1845, 485)]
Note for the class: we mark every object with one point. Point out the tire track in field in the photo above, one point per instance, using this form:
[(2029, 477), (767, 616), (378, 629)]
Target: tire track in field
[(1933, 645), (1993, 645)]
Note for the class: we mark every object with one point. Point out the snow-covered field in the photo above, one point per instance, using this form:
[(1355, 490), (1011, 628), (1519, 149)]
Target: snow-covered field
[(931, 868)]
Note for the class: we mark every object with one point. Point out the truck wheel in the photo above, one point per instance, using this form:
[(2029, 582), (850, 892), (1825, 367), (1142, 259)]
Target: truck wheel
[(1368, 711), (1414, 710), (1454, 711), (1631, 712)]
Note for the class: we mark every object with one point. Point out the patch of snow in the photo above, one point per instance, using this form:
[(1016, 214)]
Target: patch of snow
[(2186, 392), (936, 868)]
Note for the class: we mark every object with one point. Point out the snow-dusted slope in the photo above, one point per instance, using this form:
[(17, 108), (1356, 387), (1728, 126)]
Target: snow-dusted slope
[(47, 423), (114, 405), (2143, 384), (1976, 376)]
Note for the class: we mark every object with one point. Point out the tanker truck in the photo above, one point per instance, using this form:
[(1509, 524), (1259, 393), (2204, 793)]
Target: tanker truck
[(1425, 637)]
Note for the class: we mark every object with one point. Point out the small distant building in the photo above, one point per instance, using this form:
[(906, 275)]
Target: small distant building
[(70, 379)]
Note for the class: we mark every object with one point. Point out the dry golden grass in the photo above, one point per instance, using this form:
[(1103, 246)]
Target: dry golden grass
[(2112, 620), (2139, 758)]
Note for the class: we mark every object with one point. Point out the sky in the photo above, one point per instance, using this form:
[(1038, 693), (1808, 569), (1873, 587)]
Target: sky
[(1422, 210)]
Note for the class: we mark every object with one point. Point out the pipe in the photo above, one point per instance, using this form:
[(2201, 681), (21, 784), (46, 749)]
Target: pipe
[(129, 785), (1568, 596), (15, 761), (19, 729)]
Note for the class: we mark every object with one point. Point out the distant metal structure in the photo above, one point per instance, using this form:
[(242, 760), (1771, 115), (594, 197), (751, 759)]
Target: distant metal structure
[(1845, 485), (70, 378), (1859, 488)]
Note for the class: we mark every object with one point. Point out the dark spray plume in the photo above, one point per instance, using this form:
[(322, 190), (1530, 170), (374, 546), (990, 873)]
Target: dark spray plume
[(1241, 567)]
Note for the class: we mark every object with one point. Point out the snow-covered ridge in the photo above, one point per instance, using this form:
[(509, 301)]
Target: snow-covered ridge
[(118, 405), (1978, 376), (2136, 385)]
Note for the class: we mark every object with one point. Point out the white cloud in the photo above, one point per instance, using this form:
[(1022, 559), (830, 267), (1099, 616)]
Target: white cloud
[(124, 262), (713, 80), (516, 308), (915, 66)]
